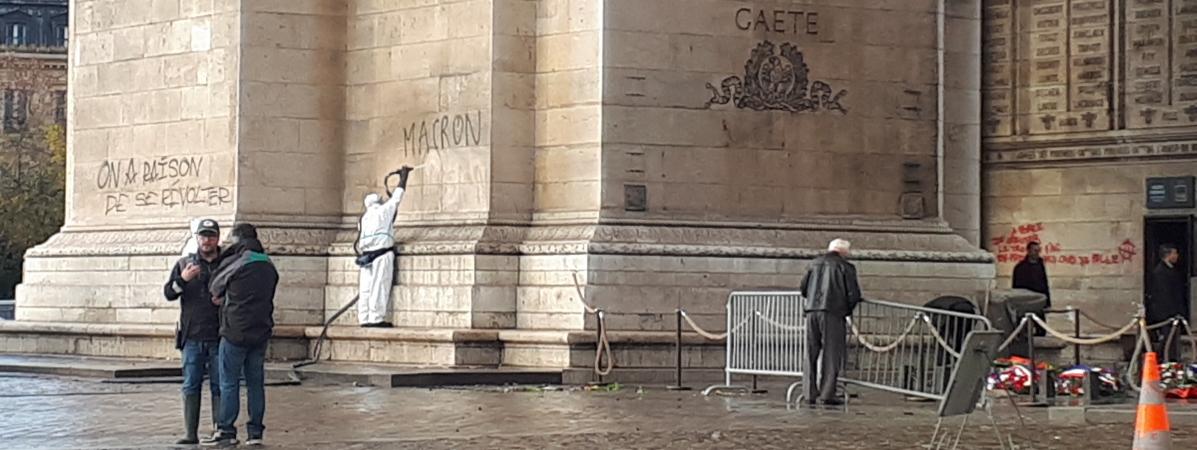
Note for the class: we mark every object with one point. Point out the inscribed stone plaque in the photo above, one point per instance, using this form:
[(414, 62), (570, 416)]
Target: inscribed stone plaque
[(998, 76), (1043, 55), (1161, 63), (1048, 62)]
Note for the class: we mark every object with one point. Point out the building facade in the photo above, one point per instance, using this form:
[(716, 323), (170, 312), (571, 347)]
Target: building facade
[(1090, 115), (33, 83), (33, 63), (650, 154), (653, 155)]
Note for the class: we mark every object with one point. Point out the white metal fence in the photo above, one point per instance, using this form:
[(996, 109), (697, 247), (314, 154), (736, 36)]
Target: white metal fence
[(894, 347)]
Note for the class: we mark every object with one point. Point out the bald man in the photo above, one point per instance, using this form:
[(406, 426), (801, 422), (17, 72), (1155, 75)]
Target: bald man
[(830, 293)]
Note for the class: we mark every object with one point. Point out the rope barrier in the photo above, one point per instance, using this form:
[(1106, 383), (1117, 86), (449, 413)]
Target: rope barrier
[(1013, 335), (1141, 343), (708, 334), (1171, 336), (882, 348), (1092, 341), (777, 324), (602, 344), (905, 334), (1159, 325), (1094, 320), (942, 343), (1144, 340), (1189, 331)]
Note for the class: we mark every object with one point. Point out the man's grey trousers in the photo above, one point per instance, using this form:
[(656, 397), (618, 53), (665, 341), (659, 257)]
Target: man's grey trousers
[(826, 343)]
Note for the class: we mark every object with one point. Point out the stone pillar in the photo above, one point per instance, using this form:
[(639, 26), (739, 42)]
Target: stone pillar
[(155, 145), (736, 140), (568, 163), (961, 159), (659, 153), (446, 87), (227, 109), (290, 105)]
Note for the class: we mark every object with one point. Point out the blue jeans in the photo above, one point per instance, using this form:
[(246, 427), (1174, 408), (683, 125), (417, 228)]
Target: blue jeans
[(200, 357), (235, 360)]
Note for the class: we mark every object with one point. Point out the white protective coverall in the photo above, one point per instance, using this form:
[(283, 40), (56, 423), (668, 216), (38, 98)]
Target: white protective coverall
[(374, 281), (192, 246)]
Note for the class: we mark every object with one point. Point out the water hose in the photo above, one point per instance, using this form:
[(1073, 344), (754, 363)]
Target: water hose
[(315, 358), (324, 334)]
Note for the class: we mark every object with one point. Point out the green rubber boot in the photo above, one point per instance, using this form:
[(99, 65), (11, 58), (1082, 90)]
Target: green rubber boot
[(191, 415)]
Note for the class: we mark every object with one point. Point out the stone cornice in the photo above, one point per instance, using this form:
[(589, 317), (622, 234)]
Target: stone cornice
[(1103, 148), (880, 245)]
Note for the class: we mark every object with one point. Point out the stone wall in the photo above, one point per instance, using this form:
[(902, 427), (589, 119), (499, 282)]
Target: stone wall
[(1089, 219), (1084, 101), (290, 110), (154, 145), (657, 153), (739, 137), (831, 137), (157, 85)]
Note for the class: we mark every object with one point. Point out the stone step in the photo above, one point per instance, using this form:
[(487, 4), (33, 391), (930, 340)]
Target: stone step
[(413, 346), (122, 340), (89, 367), (396, 375), (641, 356)]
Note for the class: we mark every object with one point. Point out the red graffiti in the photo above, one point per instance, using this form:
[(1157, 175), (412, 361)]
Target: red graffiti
[(1012, 247), (1127, 250)]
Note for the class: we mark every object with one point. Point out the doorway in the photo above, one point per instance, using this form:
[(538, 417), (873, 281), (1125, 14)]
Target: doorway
[(1175, 230)]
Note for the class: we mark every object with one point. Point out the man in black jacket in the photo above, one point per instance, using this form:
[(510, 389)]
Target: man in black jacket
[(1031, 274), (244, 287), (830, 293), (1166, 298), (198, 336)]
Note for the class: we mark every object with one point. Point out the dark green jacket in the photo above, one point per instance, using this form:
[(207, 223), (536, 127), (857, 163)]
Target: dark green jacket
[(246, 281)]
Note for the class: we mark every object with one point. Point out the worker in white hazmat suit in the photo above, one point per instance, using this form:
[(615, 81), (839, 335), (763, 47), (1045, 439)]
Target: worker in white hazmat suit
[(191, 247), (375, 245)]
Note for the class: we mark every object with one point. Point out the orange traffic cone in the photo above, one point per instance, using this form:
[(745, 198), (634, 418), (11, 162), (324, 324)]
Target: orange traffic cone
[(1152, 431)]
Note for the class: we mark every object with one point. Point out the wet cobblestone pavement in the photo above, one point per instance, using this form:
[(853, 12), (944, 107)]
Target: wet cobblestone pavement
[(48, 413)]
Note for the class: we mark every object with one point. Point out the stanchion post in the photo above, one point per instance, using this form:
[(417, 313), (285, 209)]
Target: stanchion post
[(1076, 348), (677, 380), (1031, 356), (598, 343), (1042, 389)]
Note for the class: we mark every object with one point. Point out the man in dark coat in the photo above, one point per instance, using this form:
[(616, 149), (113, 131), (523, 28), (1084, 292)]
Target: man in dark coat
[(1166, 298), (830, 293), (198, 336), (1031, 274), (244, 287)]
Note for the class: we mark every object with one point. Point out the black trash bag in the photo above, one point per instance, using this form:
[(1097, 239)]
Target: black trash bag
[(953, 329)]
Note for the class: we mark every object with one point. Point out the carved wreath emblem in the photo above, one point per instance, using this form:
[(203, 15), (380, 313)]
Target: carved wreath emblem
[(777, 82)]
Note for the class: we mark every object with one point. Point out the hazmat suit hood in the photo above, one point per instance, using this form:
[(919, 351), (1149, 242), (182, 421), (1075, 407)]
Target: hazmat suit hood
[(372, 200)]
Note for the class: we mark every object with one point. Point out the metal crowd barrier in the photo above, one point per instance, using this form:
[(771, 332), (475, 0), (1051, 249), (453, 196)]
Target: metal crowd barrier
[(893, 347), (766, 334), (906, 349)]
